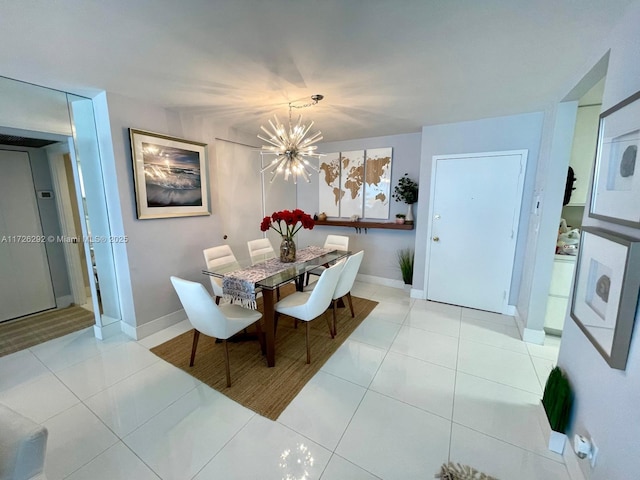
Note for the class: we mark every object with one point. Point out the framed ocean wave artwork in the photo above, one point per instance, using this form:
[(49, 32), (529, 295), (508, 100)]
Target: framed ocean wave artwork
[(171, 176)]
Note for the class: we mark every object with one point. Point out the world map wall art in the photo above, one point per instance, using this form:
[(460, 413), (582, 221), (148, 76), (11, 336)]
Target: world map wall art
[(356, 183)]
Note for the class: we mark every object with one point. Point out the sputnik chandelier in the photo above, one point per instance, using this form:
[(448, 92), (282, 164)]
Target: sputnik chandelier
[(290, 147)]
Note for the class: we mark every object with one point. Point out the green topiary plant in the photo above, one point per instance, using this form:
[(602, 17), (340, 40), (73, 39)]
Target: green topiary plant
[(406, 190), (405, 262), (557, 400)]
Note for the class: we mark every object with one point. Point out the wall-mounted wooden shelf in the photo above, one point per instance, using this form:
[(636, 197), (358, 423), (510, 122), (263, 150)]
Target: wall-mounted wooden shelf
[(360, 225)]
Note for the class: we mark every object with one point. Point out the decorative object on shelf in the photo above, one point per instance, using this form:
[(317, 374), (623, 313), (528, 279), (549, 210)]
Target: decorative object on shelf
[(615, 194), (290, 147), (287, 223), (605, 292), (405, 262), (322, 216), (406, 191), (557, 401), (355, 218), (170, 174), (400, 218)]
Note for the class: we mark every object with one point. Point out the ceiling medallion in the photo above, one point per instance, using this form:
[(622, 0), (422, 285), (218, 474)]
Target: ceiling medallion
[(290, 147)]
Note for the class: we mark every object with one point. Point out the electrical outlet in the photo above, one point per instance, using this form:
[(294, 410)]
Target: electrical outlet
[(594, 453)]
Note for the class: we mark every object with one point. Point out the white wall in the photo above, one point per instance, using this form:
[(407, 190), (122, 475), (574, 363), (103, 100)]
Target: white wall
[(540, 244), (380, 246), (157, 248), (606, 405), (25, 106), (513, 132)]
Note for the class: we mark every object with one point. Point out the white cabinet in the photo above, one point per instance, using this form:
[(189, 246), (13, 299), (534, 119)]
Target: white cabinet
[(559, 293)]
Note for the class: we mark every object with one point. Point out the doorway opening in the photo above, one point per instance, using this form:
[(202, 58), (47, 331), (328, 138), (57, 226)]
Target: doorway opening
[(570, 224), (42, 173)]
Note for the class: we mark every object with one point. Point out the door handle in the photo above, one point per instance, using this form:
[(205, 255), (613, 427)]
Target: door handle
[(436, 239)]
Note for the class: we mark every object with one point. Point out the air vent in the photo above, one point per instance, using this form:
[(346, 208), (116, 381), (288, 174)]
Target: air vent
[(16, 141)]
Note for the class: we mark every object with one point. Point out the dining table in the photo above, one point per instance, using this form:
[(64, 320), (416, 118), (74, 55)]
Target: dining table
[(242, 281)]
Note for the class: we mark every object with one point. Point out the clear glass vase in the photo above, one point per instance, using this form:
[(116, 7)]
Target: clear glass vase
[(287, 250)]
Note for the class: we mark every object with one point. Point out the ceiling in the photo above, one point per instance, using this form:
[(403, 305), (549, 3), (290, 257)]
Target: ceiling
[(384, 66)]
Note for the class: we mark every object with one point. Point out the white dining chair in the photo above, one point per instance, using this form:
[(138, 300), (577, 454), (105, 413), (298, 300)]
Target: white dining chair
[(215, 257), (345, 283), (307, 306), (206, 317), (334, 242), (23, 446), (260, 250)]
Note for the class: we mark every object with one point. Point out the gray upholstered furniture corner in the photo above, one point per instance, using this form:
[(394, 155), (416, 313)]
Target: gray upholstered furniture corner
[(23, 445)]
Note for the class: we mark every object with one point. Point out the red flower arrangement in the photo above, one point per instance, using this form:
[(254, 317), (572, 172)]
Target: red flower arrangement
[(290, 219)]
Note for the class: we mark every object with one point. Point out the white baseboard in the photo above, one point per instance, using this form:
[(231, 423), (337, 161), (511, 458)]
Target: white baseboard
[(421, 294), (387, 282), (533, 336), (64, 301), (107, 330), (149, 328), (519, 322)]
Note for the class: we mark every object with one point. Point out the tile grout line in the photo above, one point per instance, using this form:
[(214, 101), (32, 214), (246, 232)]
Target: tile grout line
[(455, 385), (367, 390)]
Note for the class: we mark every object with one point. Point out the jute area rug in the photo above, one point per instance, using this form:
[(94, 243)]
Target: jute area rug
[(26, 332), (264, 390)]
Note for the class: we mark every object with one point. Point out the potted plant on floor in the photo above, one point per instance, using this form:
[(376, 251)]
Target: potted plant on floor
[(405, 262), (557, 401)]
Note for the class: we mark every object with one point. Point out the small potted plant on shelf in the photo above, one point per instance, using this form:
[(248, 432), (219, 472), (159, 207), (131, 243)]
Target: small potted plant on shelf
[(406, 191), (400, 218)]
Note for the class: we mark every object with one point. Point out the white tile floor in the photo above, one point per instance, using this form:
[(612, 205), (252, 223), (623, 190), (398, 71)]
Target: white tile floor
[(416, 385)]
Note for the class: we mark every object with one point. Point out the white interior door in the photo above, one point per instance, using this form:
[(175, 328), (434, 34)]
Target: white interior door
[(475, 210), (239, 196), (25, 280)]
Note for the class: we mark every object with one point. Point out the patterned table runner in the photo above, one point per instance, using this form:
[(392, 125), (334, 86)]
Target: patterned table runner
[(239, 287)]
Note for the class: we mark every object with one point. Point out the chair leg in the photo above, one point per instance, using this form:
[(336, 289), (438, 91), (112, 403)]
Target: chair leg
[(308, 350), (276, 315), (263, 346), (218, 300), (350, 304), (196, 336), (329, 324), (226, 362), (335, 314), (307, 282)]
